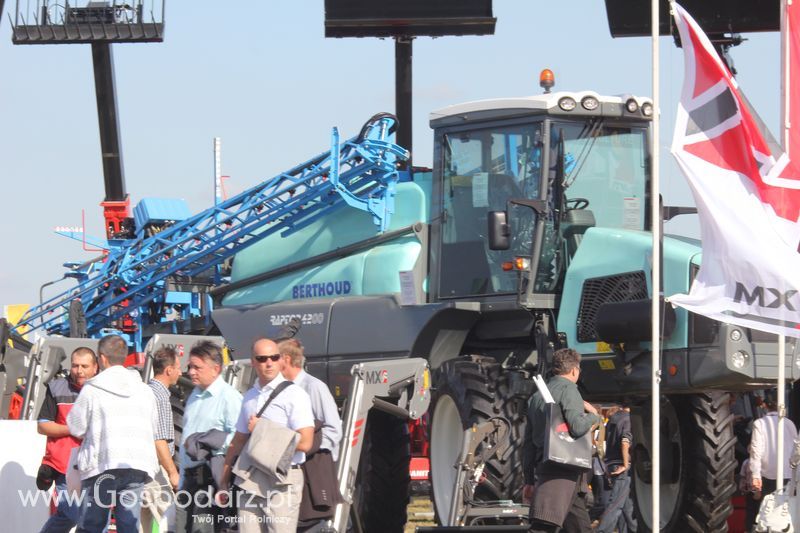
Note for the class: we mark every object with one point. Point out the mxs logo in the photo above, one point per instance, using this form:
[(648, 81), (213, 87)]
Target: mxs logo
[(377, 376), (759, 295), (177, 347)]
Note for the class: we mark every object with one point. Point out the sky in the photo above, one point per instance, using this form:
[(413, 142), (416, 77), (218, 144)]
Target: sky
[(260, 75)]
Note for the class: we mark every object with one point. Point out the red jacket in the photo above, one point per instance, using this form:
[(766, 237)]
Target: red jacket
[(61, 395)]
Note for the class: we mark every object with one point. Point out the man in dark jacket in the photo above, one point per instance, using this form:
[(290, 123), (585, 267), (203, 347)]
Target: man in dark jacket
[(558, 497), (618, 514), (59, 397)]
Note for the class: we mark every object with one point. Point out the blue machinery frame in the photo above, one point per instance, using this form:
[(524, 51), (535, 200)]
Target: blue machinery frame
[(361, 172)]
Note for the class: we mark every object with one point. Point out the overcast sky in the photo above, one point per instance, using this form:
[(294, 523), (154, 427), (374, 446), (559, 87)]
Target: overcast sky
[(260, 75)]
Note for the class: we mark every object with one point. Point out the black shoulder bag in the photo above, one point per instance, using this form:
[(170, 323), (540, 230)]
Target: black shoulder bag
[(279, 389), (560, 448)]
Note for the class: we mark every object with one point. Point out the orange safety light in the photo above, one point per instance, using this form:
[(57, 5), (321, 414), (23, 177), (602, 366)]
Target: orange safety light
[(673, 370), (507, 266), (547, 80)]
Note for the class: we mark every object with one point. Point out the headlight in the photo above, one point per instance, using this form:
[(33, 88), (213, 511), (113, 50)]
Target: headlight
[(590, 103), (739, 359), (567, 103), (647, 109), (632, 105)]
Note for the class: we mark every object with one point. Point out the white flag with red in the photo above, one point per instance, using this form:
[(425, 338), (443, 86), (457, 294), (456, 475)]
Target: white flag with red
[(747, 195)]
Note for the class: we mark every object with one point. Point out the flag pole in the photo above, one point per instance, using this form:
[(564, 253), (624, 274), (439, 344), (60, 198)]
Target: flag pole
[(785, 121), (785, 126), (655, 224), (781, 409)]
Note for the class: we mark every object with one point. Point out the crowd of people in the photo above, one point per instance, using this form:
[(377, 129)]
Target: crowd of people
[(114, 435), (571, 500)]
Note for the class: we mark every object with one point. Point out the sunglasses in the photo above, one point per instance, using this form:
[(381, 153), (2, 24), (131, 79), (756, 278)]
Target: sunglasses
[(263, 358)]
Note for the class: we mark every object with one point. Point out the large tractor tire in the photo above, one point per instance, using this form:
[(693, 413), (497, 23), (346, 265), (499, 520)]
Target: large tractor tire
[(697, 463), (384, 481), (470, 390)]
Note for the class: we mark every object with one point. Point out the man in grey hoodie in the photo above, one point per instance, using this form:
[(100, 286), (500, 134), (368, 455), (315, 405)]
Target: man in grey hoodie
[(115, 415)]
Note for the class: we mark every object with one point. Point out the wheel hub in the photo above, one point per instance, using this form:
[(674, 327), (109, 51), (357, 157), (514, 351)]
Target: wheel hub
[(671, 464), (447, 435)]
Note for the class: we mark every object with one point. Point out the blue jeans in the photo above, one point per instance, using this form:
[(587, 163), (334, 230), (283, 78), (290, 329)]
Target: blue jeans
[(120, 488), (67, 511), (618, 513)]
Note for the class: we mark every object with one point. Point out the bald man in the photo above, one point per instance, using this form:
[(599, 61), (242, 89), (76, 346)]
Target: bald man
[(291, 407)]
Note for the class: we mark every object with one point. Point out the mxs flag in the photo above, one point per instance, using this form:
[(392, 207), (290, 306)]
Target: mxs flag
[(747, 196)]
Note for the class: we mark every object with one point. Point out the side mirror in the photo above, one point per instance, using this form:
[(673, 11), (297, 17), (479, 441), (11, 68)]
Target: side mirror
[(499, 232)]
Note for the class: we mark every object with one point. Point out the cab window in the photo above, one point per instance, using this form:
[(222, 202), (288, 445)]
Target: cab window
[(483, 169)]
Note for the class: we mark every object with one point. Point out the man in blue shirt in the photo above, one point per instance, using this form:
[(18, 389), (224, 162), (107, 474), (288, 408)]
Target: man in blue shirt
[(322, 403), (212, 405)]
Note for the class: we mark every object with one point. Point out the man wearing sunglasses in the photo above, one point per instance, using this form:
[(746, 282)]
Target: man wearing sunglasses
[(290, 408)]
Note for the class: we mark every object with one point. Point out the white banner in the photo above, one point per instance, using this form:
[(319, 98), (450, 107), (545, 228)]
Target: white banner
[(747, 201)]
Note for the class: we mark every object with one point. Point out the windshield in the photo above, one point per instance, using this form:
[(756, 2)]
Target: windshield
[(483, 169), (605, 165)]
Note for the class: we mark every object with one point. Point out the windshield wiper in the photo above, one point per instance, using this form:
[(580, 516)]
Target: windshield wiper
[(570, 177)]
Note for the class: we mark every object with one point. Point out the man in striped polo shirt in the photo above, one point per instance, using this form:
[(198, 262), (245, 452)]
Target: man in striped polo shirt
[(166, 373), (59, 397)]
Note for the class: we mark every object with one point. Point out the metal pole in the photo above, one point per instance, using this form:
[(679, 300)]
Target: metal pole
[(217, 171), (785, 92), (217, 195), (107, 117), (785, 127), (655, 225), (781, 409), (402, 94)]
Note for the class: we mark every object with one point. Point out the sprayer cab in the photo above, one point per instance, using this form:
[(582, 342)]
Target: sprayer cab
[(522, 179)]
